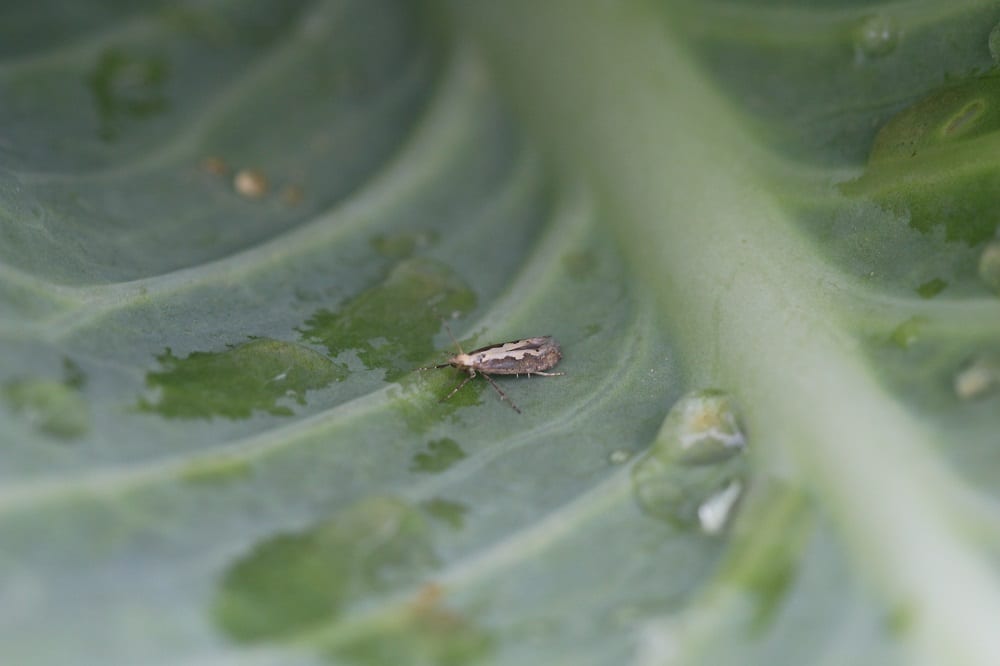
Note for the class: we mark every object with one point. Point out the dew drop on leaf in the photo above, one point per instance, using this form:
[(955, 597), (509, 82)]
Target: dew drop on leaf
[(875, 37), (619, 456), (674, 493), (693, 473), (994, 42), (989, 265), (701, 428), (250, 183), (907, 333), (713, 514), (978, 378)]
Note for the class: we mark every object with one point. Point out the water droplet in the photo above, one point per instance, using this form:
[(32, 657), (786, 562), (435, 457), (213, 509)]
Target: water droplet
[(251, 183), (875, 37), (701, 428), (714, 512), (989, 265), (907, 333), (978, 378), (619, 456), (673, 492), (994, 42), (692, 474)]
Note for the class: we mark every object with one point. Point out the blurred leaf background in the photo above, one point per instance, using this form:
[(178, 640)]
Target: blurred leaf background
[(763, 232)]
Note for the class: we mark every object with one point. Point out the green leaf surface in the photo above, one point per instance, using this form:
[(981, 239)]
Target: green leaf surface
[(764, 234)]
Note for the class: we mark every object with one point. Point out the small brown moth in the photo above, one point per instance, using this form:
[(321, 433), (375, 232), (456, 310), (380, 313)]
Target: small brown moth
[(530, 356)]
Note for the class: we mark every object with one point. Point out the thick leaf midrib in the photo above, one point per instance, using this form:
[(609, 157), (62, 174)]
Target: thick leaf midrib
[(734, 275)]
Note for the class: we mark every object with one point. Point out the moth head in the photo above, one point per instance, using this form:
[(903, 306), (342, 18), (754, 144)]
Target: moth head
[(462, 360)]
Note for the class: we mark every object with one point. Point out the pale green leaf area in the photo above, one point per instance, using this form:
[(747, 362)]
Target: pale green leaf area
[(764, 234)]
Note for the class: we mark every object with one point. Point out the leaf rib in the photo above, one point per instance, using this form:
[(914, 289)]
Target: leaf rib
[(444, 133), (567, 226)]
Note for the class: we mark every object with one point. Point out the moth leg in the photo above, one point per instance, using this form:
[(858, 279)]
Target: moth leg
[(472, 373), (503, 396), (549, 374)]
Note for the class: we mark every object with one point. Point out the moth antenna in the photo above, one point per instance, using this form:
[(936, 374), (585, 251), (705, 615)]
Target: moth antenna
[(450, 335), (434, 367)]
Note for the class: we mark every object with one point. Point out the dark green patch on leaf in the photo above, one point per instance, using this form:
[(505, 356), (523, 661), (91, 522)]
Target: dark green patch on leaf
[(255, 376), (127, 86), (392, 325), (55, 407), (419, 397), (936, 161), (440, 455), (932, 288), (959, 113), (447, 511), (293, 583)]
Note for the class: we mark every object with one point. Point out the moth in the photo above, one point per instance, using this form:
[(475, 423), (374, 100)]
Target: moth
[(530, 356)]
